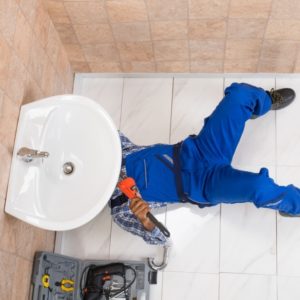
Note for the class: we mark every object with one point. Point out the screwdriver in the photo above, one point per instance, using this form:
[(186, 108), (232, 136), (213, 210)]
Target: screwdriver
[(129, 188)]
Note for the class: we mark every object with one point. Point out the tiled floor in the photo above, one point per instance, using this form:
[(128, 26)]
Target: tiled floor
[(228, 252)]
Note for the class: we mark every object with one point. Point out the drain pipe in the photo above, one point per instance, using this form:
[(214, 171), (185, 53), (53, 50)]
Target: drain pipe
[(163, 264)]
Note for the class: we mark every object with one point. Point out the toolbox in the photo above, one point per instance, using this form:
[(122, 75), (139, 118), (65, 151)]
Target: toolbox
[(59, 277)]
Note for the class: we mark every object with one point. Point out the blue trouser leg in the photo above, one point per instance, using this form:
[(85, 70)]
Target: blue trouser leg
[(217, 142), (223, 128), (227, 185)]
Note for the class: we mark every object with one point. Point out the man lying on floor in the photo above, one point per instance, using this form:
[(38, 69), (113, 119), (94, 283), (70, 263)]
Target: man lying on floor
[(198, 170)]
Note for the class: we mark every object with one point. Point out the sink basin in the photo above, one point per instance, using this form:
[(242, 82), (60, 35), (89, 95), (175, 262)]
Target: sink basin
[(74, 130)]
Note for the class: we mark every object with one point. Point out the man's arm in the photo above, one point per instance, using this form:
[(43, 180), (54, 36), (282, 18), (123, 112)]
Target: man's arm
[(127, 220)]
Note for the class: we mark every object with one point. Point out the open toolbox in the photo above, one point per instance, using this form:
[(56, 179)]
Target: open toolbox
[(59, 277)]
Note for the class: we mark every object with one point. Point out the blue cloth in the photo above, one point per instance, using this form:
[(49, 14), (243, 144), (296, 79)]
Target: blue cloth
[(122, 214), (206, 160)]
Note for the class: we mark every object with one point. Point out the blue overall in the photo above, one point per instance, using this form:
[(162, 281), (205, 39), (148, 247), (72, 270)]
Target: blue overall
[(202, 171)]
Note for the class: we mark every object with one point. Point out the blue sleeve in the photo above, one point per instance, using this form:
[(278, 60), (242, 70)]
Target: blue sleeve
[(123, 216)]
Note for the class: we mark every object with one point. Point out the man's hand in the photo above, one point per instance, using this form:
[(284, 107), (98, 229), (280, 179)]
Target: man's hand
[(140, 208)]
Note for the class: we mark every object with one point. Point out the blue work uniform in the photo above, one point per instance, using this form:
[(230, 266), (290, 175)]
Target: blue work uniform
[(199, 169)]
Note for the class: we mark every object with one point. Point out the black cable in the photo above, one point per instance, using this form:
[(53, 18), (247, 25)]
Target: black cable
[(100, 290)]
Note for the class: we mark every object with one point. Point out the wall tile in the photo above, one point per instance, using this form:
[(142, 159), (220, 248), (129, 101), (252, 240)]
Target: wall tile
[(101, 53), (162, 10), (23, 266), (171, 50), (57, 11), (241, 65), (169, 30), (126, 11), (8, 18), (41, 24), (66, 33), (250, 8), (136, 51), (206, 9), (29, 9), (94, 33), (86, 12), (75, 52), (8, 122), (7, 272), (207, 49), (5, 154), (37, 61), (105, 67), (207, 66), (283, 29), (16, 79), (207, 29), (131, 32), (173, 66), (138, 66), (246, 28), (22, 38), (5, 54), (242, 49), (81, 67), (285, 9)]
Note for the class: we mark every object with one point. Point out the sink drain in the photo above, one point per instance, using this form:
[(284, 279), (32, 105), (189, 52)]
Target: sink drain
[(68, 168)]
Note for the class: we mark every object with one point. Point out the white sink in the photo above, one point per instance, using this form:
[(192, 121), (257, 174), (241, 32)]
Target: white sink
[(72, 129)]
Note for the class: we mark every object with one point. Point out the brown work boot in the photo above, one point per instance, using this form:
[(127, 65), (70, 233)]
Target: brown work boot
[(281, 98)]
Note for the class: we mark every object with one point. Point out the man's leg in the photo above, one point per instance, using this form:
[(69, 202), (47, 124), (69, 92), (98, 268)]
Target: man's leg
[(222, 130), (227, 185)]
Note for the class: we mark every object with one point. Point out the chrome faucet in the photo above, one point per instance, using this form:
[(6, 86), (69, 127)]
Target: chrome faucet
[(27, 154)]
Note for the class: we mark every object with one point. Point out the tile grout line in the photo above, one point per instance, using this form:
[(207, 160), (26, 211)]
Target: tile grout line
[(120, 121), (220, 224)]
